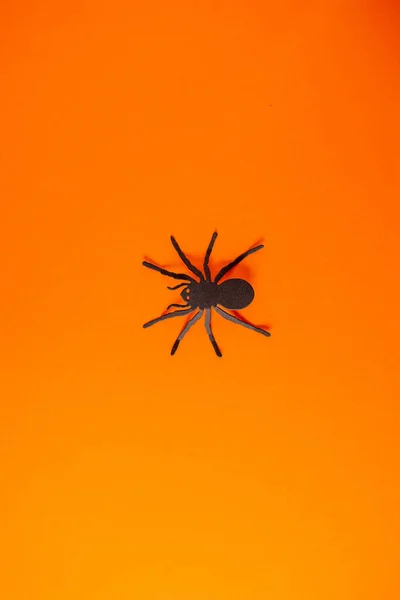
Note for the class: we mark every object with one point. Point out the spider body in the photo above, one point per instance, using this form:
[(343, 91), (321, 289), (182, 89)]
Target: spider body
[(233, 294), (207, 294)]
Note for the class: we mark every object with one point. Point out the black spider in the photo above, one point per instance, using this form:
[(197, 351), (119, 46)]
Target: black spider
[(207, 293)]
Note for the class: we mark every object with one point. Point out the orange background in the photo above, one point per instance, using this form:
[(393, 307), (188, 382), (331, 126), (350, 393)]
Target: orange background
[(273, 472)]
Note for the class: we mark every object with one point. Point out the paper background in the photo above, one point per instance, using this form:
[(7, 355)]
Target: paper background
[(272, 473)]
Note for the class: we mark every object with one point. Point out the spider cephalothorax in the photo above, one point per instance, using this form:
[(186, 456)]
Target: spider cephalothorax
[(207, 293)]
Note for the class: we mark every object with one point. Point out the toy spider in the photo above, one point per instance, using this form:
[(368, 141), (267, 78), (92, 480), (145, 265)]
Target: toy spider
[(207, 293)]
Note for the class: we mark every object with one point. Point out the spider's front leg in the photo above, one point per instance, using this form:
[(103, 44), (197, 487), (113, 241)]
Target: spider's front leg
[(207, 256), (184, 331), (184, 276), (210, 333)]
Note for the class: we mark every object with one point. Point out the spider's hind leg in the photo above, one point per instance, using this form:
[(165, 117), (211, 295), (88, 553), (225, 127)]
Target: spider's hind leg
[(237, 321)]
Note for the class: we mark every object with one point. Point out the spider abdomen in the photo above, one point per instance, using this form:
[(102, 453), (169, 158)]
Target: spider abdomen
[(235, 294)]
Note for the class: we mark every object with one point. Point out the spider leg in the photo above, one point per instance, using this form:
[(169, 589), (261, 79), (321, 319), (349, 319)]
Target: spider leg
[(176, 313), (210, 333), (177, 305), (177, 286), (185, 259), (207, 256), (184, 331), (168, 273), (235, 262), (230, 317)]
